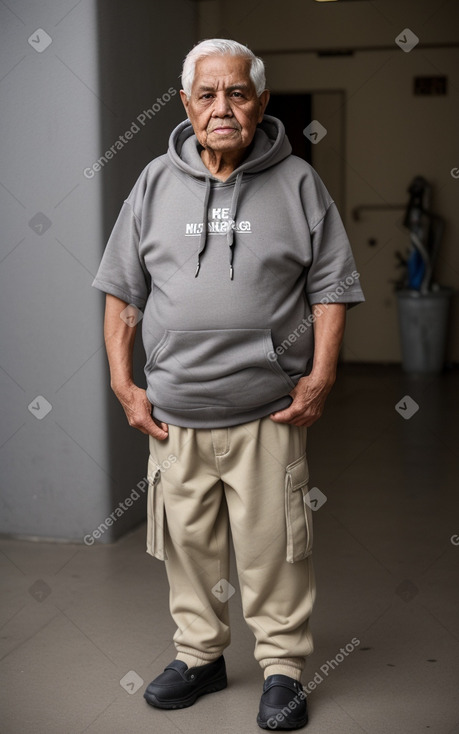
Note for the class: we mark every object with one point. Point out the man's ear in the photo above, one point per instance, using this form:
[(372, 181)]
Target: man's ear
[(263, 99), (185, 100)]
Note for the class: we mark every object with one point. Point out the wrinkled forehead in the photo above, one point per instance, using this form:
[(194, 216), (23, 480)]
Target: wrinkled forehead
[(220, 72)]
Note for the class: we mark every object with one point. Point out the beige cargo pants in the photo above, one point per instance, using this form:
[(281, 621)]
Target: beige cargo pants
[(251, 478)]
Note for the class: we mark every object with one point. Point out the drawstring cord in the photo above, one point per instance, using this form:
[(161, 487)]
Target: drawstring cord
[(232, 221), (203, 237), (231, 224)]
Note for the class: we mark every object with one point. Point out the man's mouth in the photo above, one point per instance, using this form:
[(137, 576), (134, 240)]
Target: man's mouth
[(222, 129)]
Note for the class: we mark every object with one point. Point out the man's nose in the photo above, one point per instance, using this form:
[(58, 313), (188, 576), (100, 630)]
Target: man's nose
[(222, 107)]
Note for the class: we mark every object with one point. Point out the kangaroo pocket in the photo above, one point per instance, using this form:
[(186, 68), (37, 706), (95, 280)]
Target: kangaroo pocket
[(228, 368)]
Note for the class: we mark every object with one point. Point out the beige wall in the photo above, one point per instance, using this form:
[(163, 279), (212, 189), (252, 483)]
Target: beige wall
[(390, 135)]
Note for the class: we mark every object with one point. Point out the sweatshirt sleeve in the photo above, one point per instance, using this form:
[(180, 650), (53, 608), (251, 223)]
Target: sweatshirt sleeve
[(122, 272), (332, 275)]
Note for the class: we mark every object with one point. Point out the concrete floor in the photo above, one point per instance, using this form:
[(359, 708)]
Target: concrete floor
[(77, 620)]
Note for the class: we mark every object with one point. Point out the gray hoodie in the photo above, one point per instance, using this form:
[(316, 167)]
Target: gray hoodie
[(225, 274)]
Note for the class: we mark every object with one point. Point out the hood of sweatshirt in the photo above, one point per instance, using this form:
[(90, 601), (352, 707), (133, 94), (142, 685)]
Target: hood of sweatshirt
[(269, 146)]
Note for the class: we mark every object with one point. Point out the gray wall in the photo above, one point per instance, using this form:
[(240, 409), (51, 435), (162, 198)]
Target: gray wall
[(61, 107)]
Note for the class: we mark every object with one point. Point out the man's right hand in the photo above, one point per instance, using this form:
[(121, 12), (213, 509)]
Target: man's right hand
[(138, 412), (119, 336)]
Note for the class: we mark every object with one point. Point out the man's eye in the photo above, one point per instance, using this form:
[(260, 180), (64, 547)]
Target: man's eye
[(237, 94), (206, 96)]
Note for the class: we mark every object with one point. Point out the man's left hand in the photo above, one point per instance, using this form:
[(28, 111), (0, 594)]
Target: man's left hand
[(309, 397)]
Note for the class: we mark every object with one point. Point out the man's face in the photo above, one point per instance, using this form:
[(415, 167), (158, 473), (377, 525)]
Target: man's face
[(223, 106)]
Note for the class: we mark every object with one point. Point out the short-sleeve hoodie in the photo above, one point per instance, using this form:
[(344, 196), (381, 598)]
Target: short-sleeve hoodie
[(225, 273)]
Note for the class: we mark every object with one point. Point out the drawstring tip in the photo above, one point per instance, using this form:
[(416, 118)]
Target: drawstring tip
[(197, 270), (231, 273)]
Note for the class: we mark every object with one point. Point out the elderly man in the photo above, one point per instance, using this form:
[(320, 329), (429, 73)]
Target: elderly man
[(236, 254)]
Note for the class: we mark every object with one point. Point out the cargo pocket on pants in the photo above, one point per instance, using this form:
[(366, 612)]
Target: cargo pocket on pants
[(297, 513), (156, 516)]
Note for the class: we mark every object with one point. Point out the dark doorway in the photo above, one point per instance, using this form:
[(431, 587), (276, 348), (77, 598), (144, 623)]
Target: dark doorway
[(295, 111)]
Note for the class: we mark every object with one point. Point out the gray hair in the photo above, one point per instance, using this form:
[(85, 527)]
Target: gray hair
[(222, 47)]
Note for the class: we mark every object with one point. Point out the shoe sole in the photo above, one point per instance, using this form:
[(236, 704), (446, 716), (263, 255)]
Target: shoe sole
[(182, 703), (285, 727)]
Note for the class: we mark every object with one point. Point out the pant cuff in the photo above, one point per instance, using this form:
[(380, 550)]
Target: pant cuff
[(293, 667), (191, 652)]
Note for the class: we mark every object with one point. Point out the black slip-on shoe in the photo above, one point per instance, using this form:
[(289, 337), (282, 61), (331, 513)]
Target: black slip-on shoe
[(179, 686), (283, 704)]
